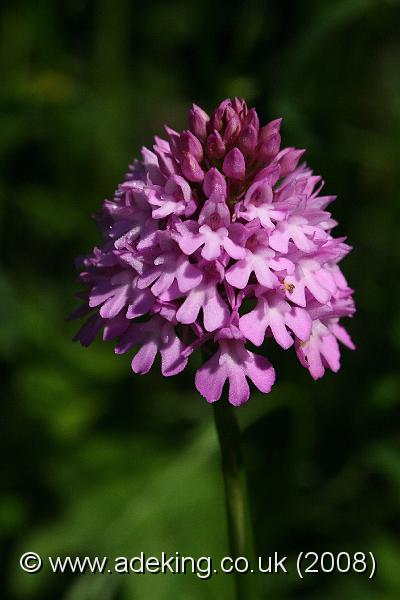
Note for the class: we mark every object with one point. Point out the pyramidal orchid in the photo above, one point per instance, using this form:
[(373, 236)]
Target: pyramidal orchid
[(218, 236), (218, 239)]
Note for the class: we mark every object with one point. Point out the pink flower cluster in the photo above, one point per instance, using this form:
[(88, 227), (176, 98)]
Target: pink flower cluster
[(218, 237)]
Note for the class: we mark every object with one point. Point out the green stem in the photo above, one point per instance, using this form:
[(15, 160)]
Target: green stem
[(239, 529)]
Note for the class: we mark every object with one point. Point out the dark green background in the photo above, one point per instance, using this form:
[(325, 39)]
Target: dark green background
[(99, 461)]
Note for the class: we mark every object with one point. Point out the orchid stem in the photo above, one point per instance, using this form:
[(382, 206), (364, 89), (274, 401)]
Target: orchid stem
[(236, 499)]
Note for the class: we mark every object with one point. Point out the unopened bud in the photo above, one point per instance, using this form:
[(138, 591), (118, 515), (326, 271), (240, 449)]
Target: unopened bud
[(270, 147), (252, 119), (234, 165), (248, 139), (214, 183), (189, 143), (270, 129), (232, 128), (191, 168), (215, 145), (216, 121), (198, 120), (240, 107)]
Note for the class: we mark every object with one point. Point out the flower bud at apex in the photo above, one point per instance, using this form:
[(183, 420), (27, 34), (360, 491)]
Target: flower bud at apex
[(198, 120), (248, 139), (234, 165), (189, 143), (269, 129), (229, 113), (252, 119), (215, 145), (216, 121), (191, 168), (221, 108), (270, 147), (214, 184), (289, 159), (232, 129), (240, 106), (223, 114)]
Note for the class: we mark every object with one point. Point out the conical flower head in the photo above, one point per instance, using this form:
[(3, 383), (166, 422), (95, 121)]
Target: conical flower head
[(210, 221)]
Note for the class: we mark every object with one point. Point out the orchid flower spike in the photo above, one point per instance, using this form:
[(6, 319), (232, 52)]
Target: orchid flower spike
[(219, 237)]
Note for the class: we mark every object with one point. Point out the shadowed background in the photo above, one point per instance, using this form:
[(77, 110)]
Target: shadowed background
[(98, 461)]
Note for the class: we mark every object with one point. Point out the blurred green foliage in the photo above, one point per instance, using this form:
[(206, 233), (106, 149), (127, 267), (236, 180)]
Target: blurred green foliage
[(99, 461)]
